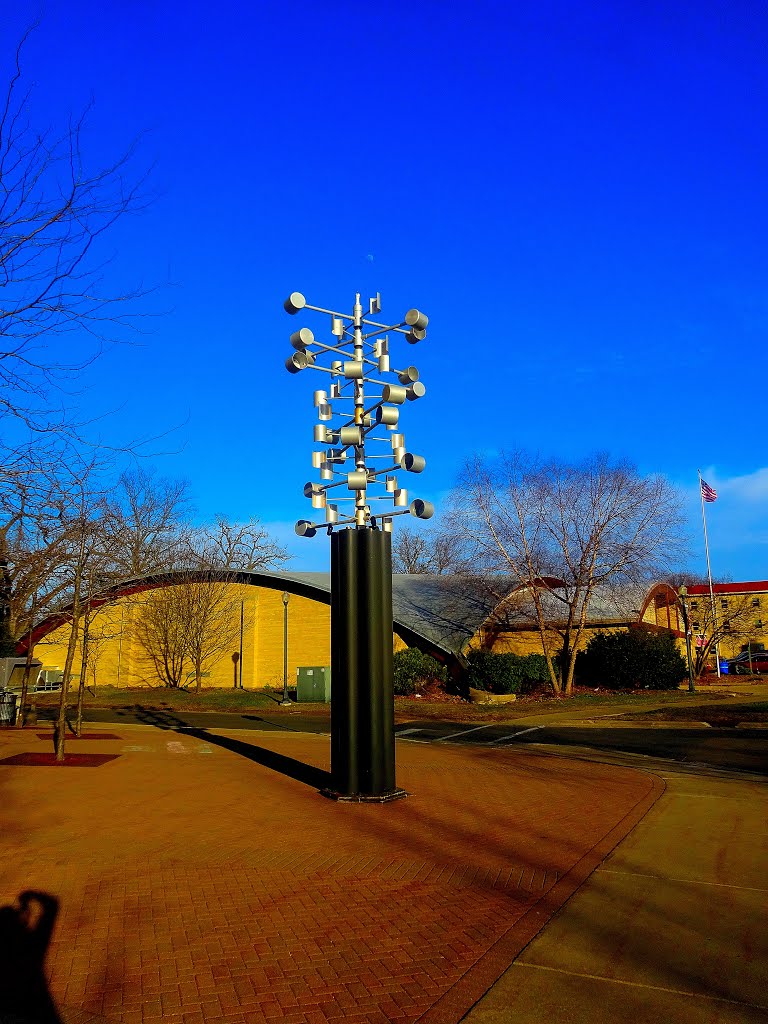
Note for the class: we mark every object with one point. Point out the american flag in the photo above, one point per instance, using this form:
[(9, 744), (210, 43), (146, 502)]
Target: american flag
[(708, 493)]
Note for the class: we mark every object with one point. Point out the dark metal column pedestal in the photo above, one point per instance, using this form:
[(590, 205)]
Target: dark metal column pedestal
[(362, 700)]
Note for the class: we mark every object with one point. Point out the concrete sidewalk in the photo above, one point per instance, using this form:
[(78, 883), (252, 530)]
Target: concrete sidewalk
[(204, 879), (670, 927)]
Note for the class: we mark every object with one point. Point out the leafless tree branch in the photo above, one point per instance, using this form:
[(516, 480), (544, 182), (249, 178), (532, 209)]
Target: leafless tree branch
[(54, 212), (565, 532)]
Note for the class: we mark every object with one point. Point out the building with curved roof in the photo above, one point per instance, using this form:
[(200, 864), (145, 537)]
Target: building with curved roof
[(444, 616)]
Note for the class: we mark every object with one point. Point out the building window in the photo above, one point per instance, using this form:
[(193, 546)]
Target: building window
[(694, 605), (723, 602), (696, 627), (755, 602)]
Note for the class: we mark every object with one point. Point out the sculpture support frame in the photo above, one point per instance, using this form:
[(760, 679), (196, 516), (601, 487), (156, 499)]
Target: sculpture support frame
[(362, 695)]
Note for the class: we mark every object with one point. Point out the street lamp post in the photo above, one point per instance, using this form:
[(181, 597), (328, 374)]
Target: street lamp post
[(240, 653), (683, 594), (286, 599), (364, 398)]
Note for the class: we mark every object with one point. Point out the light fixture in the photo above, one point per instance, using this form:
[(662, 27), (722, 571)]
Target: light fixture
[(286, 598)]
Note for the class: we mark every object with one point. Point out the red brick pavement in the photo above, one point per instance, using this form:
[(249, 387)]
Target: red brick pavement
[(197, 885)]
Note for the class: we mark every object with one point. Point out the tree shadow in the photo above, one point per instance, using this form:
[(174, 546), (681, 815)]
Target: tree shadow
[(161, 719), (165, 718), (25, 933), (289, 766)]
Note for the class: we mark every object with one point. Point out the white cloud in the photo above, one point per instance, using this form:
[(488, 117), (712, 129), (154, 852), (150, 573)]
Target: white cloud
[(751, 488)]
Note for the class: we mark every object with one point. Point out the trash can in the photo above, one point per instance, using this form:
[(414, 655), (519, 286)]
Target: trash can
[(724, 667), (7, 707), (313, 684)]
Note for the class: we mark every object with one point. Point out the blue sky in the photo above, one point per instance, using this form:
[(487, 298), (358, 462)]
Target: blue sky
[(575, 195)]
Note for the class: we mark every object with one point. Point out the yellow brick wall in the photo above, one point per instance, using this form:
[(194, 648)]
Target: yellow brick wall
[(309, 637), (528, 641), (120, 660)]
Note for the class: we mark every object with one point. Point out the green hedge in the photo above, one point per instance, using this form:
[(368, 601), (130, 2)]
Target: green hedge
[(413, 668), (506, 673), (632, 660)]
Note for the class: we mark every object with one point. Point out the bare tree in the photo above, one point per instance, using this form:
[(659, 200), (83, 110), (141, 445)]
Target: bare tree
[(80, 509), (36, 541), (97, 633), (145, 523), (236, 546), (435, 552), (67, 537), (211, 623), (68, 533), (55, 316), (33, 541), (564, 532), (147, 530), (21, 719), (196, 620), (51, 532), (160, 629), (95, 575), (54, 212), (191, 622), (735, 622)]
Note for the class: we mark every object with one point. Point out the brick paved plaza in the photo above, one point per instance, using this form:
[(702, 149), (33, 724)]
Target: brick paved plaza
[(203, 878)]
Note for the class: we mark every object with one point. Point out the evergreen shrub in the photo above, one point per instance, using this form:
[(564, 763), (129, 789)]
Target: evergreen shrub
[(506, 673), (632, 660), (413, 668)]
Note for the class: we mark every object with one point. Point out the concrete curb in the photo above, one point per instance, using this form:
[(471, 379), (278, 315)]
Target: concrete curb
[(598, 723)]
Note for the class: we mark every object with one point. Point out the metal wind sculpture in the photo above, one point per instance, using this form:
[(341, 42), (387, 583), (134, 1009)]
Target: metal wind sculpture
[(363, 449), (357, 361)]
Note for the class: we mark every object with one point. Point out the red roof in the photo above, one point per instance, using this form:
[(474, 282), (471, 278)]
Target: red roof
[(755, 587)]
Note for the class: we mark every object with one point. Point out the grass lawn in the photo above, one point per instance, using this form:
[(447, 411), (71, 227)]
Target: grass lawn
[(724, 715), (409, 708), (674, 703)]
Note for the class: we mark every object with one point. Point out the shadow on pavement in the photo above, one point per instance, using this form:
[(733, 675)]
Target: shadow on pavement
[(306, 773), (275, 725), (151, 716), (25, 932), (168, 719)]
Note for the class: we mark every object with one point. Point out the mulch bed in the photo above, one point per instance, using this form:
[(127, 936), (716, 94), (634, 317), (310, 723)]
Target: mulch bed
[(40, 760), (434, 693)]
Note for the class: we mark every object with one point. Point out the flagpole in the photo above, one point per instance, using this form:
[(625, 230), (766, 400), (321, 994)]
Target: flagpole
[(709, 576)]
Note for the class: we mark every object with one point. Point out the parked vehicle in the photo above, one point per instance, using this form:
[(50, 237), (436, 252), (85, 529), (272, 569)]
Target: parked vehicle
[(745, 664)]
